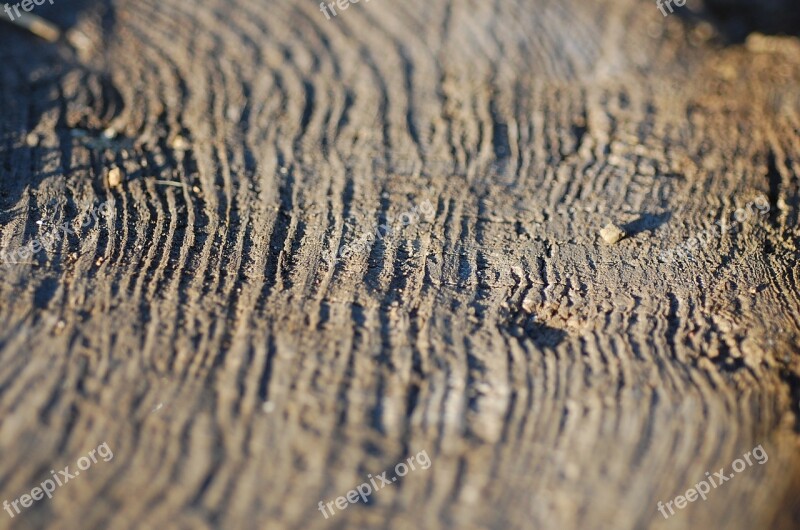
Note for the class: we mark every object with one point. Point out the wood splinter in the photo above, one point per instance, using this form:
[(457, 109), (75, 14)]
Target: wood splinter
[(38, 26)]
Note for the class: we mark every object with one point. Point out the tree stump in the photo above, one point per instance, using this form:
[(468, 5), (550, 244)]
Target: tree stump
[(332, 243)]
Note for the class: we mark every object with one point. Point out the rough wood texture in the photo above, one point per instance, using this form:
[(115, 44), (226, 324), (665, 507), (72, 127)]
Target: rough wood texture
[(240, 372)]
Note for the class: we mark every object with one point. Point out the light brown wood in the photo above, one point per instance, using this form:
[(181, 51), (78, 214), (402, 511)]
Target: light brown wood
[(241, 372)]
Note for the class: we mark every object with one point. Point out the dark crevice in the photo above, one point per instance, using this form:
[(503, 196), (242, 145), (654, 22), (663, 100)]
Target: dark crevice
[(736, 19), (793, 382), (774, 177)]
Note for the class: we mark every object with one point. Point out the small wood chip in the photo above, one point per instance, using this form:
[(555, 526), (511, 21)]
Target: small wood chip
[(79, 41), (179, 143), (114, 177), (612, 233)]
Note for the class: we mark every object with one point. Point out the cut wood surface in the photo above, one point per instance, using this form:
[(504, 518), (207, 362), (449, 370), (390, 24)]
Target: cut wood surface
[(232, 328)]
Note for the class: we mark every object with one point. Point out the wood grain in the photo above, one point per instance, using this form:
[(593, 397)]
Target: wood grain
[(241, 374)]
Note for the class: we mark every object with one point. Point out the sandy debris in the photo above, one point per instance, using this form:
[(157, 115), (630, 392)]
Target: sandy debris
[(612, 233), (114, 177)]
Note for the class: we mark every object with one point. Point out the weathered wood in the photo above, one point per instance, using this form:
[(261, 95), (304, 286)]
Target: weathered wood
[(241, 372)]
